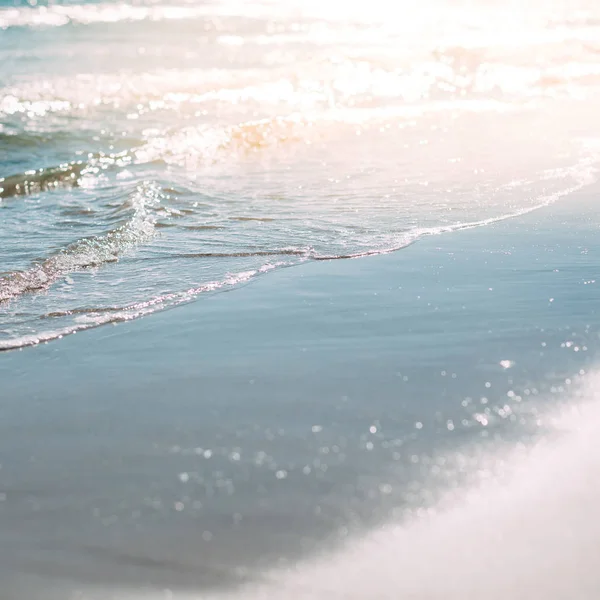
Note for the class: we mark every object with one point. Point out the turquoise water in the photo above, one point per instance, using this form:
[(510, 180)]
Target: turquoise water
[(375, 230)]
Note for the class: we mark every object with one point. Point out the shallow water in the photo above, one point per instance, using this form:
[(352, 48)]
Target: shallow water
[(155, 152)]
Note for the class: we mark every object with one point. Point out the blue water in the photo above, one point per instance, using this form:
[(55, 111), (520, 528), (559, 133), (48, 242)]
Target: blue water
[(400, 203), (152, 153)]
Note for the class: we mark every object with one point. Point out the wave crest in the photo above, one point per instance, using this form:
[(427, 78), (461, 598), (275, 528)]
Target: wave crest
[(90, 252)]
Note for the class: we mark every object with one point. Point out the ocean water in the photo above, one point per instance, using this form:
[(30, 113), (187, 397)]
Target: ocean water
[(396, 397), (154, 152)]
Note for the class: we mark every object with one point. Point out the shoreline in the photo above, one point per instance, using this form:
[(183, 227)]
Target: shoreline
[(332, 354)]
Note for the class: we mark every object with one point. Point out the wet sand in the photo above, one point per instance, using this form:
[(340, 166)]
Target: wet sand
[(197, 448)]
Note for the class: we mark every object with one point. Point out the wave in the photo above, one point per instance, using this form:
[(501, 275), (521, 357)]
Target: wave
[(90, 318), (347, 87), (103, 249), (188, 147), (32, 182), (89, 252), (25, 140), (204, 144), (584, 173), (66, 175), (58, 15), (140, 227)]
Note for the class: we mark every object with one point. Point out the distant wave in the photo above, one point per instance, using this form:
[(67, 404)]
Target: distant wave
[(67, 175), (202, 144), (32, 182), (58, 15)]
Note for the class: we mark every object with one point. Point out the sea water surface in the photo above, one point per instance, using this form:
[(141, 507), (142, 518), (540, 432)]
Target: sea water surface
[(409, 409), (154, 152)]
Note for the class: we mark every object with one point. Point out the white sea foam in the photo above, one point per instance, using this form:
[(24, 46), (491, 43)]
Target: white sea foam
[(90, 318)]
